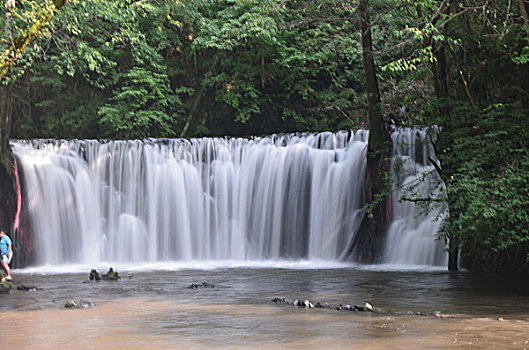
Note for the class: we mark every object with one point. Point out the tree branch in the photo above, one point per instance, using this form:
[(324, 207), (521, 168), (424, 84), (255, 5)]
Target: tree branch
[(428, 199), (436, 166), (11, 54)]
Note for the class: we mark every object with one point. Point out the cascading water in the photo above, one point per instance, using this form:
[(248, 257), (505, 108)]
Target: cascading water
[(296, 196), (411, 237), (293, 196)]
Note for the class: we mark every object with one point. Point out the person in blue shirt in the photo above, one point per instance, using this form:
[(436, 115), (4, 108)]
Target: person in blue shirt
[(6, 254)]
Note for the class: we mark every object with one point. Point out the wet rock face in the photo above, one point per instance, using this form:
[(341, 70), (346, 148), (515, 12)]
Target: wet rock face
[(196, 285), (81, 304)]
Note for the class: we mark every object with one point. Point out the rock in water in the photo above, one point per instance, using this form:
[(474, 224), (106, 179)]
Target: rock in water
[(306, 303), (94, 275), (27, 288), (416, 313), (323, 305), (369, 307), (111, 275), (5, 287), (81, 304), (439, 314), (359, 308), (281, 301), (196, 285)]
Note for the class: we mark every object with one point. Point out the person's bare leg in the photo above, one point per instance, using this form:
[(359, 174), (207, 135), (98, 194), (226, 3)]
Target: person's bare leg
[(7, 270)]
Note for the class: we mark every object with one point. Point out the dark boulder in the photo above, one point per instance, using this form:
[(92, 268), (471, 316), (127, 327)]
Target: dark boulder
[(94, 275)]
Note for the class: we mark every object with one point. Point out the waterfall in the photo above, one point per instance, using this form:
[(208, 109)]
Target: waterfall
[(411, 237), (296, 196)]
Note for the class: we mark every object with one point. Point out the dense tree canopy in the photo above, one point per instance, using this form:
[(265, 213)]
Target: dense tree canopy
[(171, 68), (149, 68)]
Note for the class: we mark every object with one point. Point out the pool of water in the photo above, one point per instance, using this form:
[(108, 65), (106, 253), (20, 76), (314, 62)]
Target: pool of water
[(154, 308)]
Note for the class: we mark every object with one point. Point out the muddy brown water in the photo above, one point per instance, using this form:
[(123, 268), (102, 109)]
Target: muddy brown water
[(156, 310)]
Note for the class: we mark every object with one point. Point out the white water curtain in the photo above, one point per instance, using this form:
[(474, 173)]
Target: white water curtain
[(297, 196), (288, 197)]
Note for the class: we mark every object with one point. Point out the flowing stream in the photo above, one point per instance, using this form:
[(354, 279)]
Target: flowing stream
[(157, 309), (289, 197)]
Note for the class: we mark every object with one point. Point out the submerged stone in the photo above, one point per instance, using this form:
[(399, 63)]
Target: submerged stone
[(323, 305), (359, 308), (417, 313), (367, 307), (81, 304), (280, 300), (27, 288), (439, 314), (196, 285)]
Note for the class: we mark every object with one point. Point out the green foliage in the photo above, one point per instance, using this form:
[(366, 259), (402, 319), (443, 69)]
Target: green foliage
[(236, 67), (141, 106), (485, 162)]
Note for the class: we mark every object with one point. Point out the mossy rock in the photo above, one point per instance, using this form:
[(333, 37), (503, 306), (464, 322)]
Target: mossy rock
[(27, 288), (94, 275), (5, 287), (111, 275)]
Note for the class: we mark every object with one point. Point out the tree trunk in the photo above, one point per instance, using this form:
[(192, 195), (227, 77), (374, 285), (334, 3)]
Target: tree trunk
[(523, 11), (453, 253), (453, 247), (439, 71), (374, 225)]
